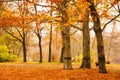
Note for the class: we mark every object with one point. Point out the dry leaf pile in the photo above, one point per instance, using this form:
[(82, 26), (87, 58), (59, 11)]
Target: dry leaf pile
[(48, 73)]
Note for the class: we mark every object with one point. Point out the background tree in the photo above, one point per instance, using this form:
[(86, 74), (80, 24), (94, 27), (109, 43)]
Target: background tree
[(50, 42), (38, 33)]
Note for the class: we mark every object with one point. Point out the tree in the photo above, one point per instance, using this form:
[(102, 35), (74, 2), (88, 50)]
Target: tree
[(86, 61), (113, 17), (65, 31), (50, 42), (65, 35), (22, 40), (98, 30), (38, 33), (80, 15), (18, 22), (98, 33)]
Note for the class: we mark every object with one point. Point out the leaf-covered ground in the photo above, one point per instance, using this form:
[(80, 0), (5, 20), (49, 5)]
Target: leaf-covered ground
[(54, 71)]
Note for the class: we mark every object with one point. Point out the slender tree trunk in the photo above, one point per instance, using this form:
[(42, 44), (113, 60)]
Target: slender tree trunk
[(62, 49), (38, 33), (24, 48), (86, 63), (40, 48), (66, 37), (24, 52), (99, 37), (111, 42), (50, 42), (109, 50)]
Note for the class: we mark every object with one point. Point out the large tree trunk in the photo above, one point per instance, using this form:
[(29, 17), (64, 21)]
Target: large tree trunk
[(66, 36), (86, 63), (100, 47), (66, 50), (98, 33)]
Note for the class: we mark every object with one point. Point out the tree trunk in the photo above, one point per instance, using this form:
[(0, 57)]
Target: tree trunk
[(62, 49), (86, 63), (66, 50), (24, 53), (50, 42), (38, 33), (100, 47), (66, 36), (98, 33), (40, 48), (24, 48), (61, 57)]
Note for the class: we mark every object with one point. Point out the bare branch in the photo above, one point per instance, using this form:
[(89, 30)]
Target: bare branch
[(117, 20), (110, 21), (14, 36), (76, 27), (73, 32), (19, 32), (91, 28)]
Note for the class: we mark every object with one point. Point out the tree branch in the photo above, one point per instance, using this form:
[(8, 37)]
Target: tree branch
[(110, 21), (117, 20), (91, 28), (19, 32), (14, 36), (76, 27), (73, 32)]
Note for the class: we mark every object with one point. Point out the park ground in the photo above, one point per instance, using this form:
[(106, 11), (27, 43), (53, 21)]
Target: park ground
[(54, 71)]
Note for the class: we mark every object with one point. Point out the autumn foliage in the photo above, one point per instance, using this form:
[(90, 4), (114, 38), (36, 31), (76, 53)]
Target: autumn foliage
[(53, 72), (68, 15)]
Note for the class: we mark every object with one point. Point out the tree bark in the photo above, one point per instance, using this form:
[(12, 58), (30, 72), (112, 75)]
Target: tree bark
[(50, 44), (40, 48), (24, 48), (24, 52), (100, 47), (66, 50), (99, 37), (61, 57), (86, 63), (38, 33), (62, 49), (65, 36)]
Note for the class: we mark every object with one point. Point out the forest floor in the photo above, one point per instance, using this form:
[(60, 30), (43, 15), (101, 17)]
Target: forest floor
[(54, 71)]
